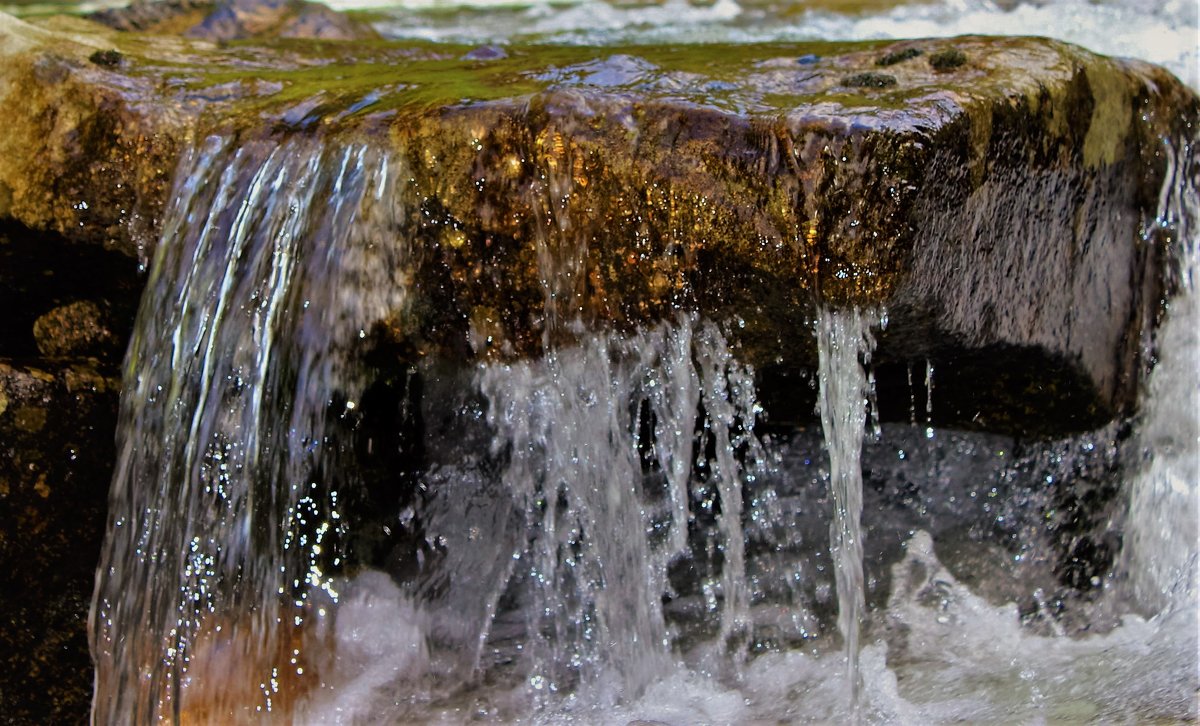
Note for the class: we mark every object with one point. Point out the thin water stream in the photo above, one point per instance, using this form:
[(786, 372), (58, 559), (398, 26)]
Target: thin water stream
[(844, 345), (239, 376)]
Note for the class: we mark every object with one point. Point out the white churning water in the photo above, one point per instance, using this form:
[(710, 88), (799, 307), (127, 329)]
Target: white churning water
[(602, 535)]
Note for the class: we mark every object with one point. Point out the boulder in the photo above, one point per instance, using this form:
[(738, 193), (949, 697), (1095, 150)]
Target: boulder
[(991, 195)]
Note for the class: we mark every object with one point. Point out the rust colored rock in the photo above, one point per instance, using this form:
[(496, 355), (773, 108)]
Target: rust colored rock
[(997, 204), (77, 329)]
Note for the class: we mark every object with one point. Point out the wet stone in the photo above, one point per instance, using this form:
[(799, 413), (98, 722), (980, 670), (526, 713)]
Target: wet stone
[(106, 58), (486, 53), (29, 419), (56, 459), (241, 19), (751, 185)]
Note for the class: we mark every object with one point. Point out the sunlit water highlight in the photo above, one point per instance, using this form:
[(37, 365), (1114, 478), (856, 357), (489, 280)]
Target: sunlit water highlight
[(1160, 31), (604, 535)]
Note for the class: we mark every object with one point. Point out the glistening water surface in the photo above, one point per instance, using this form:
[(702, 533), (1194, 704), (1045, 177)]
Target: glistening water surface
[(608, 533)]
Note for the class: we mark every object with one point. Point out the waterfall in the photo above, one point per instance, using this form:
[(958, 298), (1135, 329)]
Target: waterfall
[(576, 531), (225, 510), (597, 444), (1163, 526), (844, 345), (238, 579)]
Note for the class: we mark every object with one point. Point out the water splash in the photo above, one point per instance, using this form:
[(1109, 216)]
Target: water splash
[(596, 444)]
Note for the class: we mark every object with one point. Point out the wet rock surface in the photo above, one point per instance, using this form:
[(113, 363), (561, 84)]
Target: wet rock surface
[(976, 188), (56, 427), (79, 328), (236, 20)]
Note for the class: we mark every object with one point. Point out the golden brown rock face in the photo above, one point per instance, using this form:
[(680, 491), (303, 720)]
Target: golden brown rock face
[(978, 188)]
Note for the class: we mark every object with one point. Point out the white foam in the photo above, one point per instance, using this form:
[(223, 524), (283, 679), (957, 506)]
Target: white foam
[(944, 655), (379, 644)]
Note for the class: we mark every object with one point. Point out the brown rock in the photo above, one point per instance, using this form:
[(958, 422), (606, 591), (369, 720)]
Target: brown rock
[(77, 329), (979, 202)]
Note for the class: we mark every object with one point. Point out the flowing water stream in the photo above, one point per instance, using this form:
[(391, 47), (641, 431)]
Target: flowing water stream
[(844, 344), (606, 533)]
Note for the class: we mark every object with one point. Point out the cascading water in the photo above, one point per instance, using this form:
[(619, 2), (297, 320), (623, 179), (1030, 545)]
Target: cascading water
[(225, 498), (1164, 514), (235, 478), (602, 534), (844, 345)]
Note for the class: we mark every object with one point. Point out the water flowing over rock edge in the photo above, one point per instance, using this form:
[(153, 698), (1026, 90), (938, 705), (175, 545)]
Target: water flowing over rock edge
[(566, 455), (97, 205)]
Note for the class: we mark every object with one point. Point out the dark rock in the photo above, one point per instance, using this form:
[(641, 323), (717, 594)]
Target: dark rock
[(95, 288), (869, 80), (899, 56), (486, 53), (57, 427), (56, 457), (106, 58), (947, 60), (77, 329)]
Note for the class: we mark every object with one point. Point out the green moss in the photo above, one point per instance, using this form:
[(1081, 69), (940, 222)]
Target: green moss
[(1112, 112)]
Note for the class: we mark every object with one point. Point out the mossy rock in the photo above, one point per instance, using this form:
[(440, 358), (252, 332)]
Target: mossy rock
[(999, 201)]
